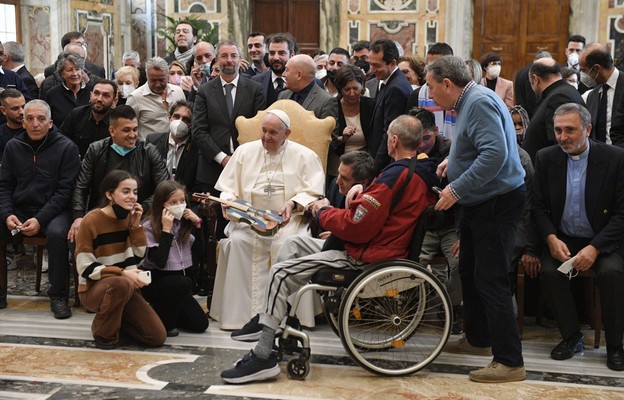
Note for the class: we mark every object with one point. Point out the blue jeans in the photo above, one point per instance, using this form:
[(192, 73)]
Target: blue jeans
[(487, 234)]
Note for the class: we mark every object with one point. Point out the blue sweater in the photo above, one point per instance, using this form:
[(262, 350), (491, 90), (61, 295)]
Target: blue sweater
[(484, 161)]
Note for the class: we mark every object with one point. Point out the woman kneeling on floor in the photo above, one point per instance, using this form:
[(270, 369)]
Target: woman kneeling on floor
[(110, 244), (169, 240)]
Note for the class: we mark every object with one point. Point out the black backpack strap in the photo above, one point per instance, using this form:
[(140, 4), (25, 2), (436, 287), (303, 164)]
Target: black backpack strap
[(410, 172)]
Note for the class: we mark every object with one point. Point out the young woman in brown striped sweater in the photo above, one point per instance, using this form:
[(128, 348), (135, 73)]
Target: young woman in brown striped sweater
[(109, 246)]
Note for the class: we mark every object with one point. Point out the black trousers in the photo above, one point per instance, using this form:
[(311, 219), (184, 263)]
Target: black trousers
[(170, 296), (609, 269), (487, 234)]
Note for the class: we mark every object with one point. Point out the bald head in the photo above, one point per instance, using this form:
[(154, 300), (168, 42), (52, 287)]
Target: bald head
[(543, 73), (75, 48), (596, 61), (299, 72)]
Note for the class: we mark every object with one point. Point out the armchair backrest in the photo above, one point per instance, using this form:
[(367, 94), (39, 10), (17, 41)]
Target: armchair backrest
[(306, 129)]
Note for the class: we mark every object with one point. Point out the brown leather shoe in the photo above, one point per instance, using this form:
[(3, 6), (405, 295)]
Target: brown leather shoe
[(462, 346), (498, 373)]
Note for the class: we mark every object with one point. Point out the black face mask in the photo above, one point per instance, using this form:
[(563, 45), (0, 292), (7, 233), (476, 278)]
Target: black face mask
[(331, 75), (120, 212)]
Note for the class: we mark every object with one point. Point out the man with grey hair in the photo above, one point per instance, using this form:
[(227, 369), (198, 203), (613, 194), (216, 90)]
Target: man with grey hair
[(383, 230), (582, 230), (35, 196), (14, 60), (131, 58), (10, 80), (152, 100), (217, 105), (487, 180)]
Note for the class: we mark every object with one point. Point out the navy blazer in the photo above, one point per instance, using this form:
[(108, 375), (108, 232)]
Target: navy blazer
[(604, 193), (265, 80), (389, 104), (617, 111), (213, 128)]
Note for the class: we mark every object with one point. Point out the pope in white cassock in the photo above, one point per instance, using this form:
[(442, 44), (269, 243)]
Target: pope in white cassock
[(270, 173)]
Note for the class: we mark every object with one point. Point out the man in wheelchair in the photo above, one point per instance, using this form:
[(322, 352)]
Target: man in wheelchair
[(378, 225)]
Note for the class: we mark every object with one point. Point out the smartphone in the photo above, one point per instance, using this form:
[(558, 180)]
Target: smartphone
[(146, 277)]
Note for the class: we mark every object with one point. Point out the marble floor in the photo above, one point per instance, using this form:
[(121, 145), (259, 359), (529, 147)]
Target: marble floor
[(44, 358)]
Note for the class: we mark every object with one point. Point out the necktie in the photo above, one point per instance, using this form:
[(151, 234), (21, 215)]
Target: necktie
[(228, 97), (280, 84), (381, 88), (601, 118)]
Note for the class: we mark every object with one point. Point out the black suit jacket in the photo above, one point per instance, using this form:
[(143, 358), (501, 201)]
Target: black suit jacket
[(29, 81), (389, 104), (265, 80), (187, 166), (213, 128), (541, 130), (604, 193), (367, 105), (617, 111)]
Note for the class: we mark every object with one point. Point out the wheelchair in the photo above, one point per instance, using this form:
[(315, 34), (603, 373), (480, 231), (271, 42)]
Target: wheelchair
[(393, 317)]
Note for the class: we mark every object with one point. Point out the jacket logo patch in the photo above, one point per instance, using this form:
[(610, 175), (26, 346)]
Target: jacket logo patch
[(360, 213), (374, 202)]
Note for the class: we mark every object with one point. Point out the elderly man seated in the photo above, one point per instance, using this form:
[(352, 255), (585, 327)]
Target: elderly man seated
[(270, 173), (37, 175)]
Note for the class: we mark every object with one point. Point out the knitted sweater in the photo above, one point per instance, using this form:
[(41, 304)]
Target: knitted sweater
[(105, 247)]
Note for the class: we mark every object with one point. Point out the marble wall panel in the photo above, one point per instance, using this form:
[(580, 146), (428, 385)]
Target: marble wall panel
[(38, 43)]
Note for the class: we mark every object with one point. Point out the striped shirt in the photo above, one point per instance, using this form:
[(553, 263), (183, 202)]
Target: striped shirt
[(105, 246)]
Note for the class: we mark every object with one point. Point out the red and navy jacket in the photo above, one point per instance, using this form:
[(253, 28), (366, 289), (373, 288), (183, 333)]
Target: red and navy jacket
[(371, 228)]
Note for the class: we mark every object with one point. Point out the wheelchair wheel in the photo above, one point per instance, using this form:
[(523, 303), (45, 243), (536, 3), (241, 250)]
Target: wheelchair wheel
[(331, 310), (298, 369), (395, 318)]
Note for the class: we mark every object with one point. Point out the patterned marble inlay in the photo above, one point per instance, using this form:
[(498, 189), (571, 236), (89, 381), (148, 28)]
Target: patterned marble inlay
[(62, 364), (330, 382), (38, 38)]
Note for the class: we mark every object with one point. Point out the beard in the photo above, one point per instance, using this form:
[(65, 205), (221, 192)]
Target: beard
[(278, 68)]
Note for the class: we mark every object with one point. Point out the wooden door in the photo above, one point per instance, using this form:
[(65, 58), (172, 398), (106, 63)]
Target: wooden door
[(299, 17), (519, 29)]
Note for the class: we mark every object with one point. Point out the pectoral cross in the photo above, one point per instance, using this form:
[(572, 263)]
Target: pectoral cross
[(269, 189)]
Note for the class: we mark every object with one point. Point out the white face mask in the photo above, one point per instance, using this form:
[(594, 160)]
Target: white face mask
[(178, 129), (177, 210), (587, 79), (494, 71), (573, 59), (321, 73), (126, 90)]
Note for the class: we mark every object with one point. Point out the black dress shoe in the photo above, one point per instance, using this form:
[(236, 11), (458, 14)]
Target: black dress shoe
[(615, 358), (105, 344), (568, 347), (60, 308), (173, 332)]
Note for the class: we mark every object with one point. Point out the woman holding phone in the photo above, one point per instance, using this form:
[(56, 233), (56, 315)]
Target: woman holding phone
[(109, 246)]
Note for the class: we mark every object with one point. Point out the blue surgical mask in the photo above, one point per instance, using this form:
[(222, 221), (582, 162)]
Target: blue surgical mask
[(122, 151)]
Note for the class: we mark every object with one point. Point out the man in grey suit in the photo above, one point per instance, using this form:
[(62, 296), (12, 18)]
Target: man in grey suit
[(217, 105), (301, 87), (606, 113)]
